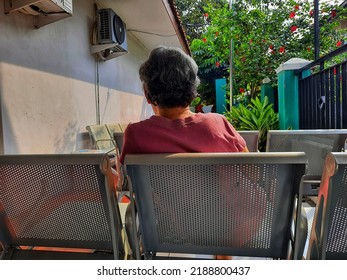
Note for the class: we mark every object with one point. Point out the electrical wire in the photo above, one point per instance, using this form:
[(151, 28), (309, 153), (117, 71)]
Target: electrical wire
[(151, 33)]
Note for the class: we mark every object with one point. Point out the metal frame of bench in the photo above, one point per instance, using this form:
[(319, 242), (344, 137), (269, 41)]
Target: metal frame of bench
[(252, 139), (328, 239), (60, 206)]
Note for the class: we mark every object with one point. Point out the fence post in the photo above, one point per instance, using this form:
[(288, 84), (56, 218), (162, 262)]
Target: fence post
[(267, 90), (288, 93), (220, 85)]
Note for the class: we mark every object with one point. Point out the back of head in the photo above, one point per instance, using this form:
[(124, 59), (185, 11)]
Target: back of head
[(169, 77)]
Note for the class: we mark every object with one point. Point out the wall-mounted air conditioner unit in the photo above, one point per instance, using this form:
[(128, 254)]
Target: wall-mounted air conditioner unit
[(43, 12), (111, 35)]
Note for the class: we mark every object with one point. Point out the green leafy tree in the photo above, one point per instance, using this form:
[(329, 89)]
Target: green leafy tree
[(195, 20), (264, 35), (193, 15)]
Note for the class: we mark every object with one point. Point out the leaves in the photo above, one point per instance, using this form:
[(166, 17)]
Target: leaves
[(258, 115)]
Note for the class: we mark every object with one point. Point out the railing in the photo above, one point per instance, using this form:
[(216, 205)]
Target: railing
[(323, 94)]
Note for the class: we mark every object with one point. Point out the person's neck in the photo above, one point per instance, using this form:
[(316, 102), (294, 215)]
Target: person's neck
[(173, 113)]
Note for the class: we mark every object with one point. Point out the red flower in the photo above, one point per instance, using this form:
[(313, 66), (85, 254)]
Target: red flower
[(271, 47), (206, 15), (339, 44), (204, 40), (282, 49), (292, 15), (217, 64), (293, 28), (308, 49), (273, 52), (333, 13), (311, 13), (217, 33), (198, 108), (297, 7), (243, 58), (242, 90)]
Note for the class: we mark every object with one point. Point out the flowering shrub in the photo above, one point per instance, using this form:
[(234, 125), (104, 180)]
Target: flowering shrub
[(197, 105), (264, 35)]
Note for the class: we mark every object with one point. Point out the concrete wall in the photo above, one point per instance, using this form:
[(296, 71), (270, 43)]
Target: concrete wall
[(48, 84)]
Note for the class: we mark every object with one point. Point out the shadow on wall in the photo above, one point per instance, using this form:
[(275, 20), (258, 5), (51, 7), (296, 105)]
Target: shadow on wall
[(53, 48), (5, 125), (68, 140), (1, 130)]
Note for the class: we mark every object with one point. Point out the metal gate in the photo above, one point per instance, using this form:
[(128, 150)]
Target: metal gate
[(323, 94)]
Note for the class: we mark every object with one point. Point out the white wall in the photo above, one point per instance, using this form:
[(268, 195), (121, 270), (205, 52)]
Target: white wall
[(48, 83)]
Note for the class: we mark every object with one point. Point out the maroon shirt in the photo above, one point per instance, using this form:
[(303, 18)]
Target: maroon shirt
[(198, 133)]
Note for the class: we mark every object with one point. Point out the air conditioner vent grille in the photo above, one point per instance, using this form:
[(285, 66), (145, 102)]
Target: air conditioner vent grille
[(104, 20)]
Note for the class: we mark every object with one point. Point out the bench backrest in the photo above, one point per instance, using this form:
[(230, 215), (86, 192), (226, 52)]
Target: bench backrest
[(101, 137), (252, 139), (58, 201), (216, 203), (328, 238), (114, 127), (118, 138), (315, 143)]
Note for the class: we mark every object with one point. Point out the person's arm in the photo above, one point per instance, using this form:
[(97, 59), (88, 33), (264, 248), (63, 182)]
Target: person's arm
[(245, 150)]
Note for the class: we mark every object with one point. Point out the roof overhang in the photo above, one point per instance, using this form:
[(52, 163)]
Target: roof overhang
[(151, 22)]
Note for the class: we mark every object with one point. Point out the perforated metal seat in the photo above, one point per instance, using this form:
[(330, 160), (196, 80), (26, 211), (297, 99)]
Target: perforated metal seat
[(237, 204), (316, 143), (328, 238), (62, 205)]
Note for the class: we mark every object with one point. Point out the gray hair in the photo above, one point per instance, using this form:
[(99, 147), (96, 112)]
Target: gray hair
[(169, 77)]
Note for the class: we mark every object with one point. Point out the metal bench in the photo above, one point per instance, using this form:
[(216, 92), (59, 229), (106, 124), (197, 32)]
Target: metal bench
[(238, 204), (58, 207), (101, 137), (315, 143)]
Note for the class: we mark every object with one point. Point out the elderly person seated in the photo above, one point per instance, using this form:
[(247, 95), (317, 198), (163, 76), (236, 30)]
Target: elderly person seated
[(170, 81)]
